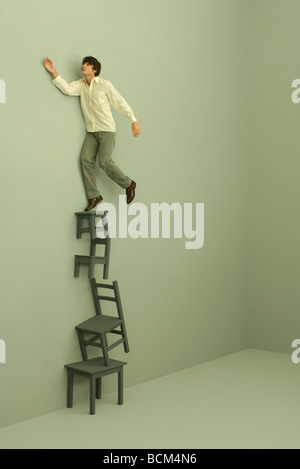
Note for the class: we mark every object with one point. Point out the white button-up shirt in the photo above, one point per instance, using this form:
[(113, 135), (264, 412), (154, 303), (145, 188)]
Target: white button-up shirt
[(95, 102)]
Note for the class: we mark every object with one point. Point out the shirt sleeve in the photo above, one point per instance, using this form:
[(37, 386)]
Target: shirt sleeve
[(70, 89), (119, 103)]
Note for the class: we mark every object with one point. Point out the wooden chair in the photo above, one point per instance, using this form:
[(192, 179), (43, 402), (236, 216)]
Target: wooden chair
[(92, 260), (100, 325), (94, 369), (90, 218)]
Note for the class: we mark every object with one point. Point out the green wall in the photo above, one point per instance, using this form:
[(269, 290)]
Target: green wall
[(274, 168), (179, 64)]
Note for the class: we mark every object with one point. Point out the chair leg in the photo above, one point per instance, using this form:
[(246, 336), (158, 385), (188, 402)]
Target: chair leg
[(120, 386), (80, 335), (124, 335), (76, 267), (92, 395), (92, 227), (104, 348), (70, 389), (121, 316), (105, 270), (93, 248), (98, 388), (91, 267), (107, 255), (79, 228)]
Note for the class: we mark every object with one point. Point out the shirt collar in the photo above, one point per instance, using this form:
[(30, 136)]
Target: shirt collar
[(96, 79)]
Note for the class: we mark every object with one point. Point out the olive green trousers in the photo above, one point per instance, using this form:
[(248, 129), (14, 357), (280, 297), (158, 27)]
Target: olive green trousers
[(98, 146)]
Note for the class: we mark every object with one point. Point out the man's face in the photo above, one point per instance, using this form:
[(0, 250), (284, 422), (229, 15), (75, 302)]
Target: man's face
[(87, 70)]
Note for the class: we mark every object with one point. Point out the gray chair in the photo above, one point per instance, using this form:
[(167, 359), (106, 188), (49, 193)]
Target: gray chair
[(90, 226), (94, 369), (93, 332), (91, 261)]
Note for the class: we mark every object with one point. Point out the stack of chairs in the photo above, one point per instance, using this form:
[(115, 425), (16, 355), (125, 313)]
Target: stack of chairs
[(101, 329)]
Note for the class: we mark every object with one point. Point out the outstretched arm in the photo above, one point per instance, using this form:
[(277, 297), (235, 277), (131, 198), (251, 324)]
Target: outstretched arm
[(49, 65), (122, 106), (70, 89)]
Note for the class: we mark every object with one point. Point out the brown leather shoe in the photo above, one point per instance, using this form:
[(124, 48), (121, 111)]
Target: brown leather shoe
[(93, 202), (130, 192)]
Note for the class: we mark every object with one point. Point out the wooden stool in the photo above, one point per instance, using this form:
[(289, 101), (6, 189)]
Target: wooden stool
[(94, 369)]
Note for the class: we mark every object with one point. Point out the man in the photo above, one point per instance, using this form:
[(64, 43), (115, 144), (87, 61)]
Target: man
[(96, 95)]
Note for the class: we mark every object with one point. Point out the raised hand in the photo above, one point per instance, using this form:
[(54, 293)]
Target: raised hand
[(49, 65)]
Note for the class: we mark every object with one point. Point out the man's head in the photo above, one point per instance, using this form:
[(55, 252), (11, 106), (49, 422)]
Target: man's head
[(91, 61)]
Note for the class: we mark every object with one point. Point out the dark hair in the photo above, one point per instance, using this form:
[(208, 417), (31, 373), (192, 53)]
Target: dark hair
[(94, 62)]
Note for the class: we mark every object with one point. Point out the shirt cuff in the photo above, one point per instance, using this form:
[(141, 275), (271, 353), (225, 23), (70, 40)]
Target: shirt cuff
[(56, 78)]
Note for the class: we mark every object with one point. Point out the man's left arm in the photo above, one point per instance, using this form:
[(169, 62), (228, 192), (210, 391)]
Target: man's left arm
[(119, 103)]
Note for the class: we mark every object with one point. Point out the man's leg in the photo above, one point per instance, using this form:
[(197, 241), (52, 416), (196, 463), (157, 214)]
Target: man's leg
[(88, 158), (106, 145)]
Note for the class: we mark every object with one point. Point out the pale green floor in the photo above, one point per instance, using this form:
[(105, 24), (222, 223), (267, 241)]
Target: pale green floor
[(249, 399)]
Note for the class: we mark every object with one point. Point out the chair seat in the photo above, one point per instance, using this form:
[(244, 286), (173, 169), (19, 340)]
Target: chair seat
[(90, 213), (94, 369), (99, 324), (94, 366)]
